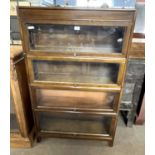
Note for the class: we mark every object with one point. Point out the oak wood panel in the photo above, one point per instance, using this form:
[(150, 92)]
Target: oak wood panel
[(15, 51), (18, 104), (76, 111), (137, 50), (17, 141), (111, 88), (95, 15), (78, 58), (74, 136), (75, 54), (23, 85)]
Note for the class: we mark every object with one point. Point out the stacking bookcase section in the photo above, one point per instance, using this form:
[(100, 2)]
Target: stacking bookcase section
[(75, 100), (76, 31), (76, 70), (76, 61), (75, 38), (74, 125)]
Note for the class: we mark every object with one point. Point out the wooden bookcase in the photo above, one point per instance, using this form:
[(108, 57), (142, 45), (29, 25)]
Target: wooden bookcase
[(76, 62), (21, 119)]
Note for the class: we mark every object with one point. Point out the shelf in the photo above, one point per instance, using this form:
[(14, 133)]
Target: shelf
[(75, 100), (74, 135), (69, 123)]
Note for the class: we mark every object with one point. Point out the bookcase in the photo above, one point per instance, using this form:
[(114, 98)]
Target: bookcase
[(76, 63)]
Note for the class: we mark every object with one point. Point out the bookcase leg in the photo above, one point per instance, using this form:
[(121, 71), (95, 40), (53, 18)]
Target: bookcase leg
[(111, 143), (38, 139), (131, 118)]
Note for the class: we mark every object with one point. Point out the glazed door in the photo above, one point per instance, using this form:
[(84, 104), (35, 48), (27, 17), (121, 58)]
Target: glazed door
[(76, 31), (74, 71), (74, 124), (76, 39), (74, 100)]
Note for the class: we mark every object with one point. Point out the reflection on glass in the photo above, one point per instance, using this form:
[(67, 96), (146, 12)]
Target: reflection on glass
[(74, 123), (13, 120), (67, 38), (72, 99), (94, 3), (75, 72), (83, 3)]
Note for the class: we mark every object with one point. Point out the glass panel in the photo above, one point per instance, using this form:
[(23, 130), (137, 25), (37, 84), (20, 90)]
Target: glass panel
[(81, 39), (13, 120), (14, 31), (75, 72), (74, 123), (72, 99)]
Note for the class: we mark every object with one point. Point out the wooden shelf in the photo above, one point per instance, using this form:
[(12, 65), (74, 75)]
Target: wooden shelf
[(46, 134), (86, 87)]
